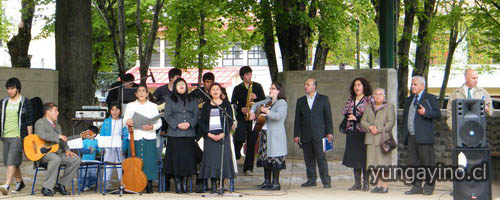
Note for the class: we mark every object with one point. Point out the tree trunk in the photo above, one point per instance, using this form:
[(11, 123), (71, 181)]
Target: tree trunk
[(19, 44), (73, 33), (320, 55), (293, 38), (107, 11), (268, 32), (145, 54), (452, 45), (201, 35), (422, 58), (404, 50), (178, 45)]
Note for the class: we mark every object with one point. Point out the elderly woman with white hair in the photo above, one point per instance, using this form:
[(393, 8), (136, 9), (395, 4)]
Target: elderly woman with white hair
[(379, 118)]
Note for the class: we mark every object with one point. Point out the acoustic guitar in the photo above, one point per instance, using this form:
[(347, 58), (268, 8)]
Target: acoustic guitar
[(261, 118), (133, 178), (35, 147)]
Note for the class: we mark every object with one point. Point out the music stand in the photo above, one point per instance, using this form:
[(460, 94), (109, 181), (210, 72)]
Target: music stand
[(220, 192)]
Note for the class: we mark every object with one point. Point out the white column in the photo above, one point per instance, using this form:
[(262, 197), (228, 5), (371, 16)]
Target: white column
[(162, 52)]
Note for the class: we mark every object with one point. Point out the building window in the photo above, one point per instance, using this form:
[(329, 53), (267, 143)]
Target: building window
[(257, 56), (233, 56)]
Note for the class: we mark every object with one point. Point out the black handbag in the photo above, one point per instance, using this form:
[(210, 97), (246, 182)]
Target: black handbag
[(387, 142), (343, 126)]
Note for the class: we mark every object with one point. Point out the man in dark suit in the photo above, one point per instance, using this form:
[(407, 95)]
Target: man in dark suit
[(420, 111), (313, 122)]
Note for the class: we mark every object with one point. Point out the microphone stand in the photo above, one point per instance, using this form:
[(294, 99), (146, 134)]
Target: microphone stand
[(220, 192)]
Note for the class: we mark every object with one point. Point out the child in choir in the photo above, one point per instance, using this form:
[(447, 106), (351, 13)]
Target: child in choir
[(89, 151), (113, 128)]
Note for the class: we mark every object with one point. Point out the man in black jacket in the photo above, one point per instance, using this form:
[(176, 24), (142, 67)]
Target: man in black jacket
[(244, 127), (313, 122), (16, 123), (420, 110)]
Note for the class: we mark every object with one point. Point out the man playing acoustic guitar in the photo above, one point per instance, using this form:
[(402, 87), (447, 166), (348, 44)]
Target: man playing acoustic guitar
[(50, 131)]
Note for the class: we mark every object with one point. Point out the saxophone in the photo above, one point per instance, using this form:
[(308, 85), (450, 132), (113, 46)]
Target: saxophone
[(249, 102)]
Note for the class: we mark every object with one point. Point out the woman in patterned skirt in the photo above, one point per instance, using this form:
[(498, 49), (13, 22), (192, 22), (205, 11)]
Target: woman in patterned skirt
[(273, 144)]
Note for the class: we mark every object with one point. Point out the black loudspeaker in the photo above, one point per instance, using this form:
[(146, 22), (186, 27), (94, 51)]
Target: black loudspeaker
[(472, 160), (469, 123)]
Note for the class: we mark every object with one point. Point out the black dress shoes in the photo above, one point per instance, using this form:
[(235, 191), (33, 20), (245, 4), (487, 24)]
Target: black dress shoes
[(47, 192), (61, 189), (414, 190), (265, 185), (149, 187), (327, 185), (309, 184)]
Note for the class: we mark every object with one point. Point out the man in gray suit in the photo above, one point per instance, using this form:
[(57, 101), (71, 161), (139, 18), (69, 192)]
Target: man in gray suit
[(49, 130), (313, 122)]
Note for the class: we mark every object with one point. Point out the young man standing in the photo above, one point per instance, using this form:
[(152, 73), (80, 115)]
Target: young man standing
[(16, 123), (244, 127)]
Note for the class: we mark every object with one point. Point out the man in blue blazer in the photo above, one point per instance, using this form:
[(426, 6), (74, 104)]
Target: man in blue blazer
[(313, 122), (421, 109)]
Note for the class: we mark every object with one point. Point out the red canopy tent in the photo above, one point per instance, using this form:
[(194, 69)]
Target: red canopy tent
[(223, 75)]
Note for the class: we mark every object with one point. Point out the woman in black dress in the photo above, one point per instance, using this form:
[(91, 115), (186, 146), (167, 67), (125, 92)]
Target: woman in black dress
[(181, 114), (355, 148), (215, 130)]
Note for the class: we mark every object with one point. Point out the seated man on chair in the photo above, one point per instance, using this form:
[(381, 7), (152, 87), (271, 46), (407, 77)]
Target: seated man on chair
[(49, 130)]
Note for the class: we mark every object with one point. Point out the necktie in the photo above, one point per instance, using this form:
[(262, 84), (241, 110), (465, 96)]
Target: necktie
[(468, 94), (415, 103)]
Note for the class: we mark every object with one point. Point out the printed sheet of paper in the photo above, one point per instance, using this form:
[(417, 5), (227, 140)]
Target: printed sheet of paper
[(141, 120), (108, 141), (75, 143)]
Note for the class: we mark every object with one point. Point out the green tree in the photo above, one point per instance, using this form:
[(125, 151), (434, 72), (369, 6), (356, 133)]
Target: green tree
[(4, 24), (19, 44), (486, 24), (458, 29)]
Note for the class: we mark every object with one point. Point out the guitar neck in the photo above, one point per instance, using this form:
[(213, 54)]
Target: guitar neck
[(131, 143)]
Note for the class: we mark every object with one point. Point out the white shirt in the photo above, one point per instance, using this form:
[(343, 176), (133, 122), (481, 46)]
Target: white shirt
[(466, 90), (116, 128), (310, 100), (147, 109)]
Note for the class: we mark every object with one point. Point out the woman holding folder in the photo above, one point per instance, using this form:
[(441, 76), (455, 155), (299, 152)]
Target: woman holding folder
[(144, 136)]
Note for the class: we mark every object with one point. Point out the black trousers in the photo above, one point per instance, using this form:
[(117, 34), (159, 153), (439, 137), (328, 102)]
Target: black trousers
[(244, 133), (421, 155), (313, 154)]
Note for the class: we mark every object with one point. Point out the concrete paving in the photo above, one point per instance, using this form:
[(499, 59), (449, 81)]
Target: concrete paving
[(292, 177)]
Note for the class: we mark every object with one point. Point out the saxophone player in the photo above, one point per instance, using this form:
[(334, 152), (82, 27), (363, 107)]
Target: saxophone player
[(243, 97)]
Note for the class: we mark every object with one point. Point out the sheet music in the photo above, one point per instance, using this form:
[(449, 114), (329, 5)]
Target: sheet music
[(75, 143), (141, 120), (108, 141)]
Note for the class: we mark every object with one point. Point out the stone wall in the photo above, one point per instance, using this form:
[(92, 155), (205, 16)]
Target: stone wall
[(444, 140), (41, 83)]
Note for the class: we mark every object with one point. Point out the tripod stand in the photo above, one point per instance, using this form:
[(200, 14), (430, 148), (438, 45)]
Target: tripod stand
[(221, 190)]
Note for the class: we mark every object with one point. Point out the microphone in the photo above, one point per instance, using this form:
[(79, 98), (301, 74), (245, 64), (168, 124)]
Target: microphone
[(152, 77)]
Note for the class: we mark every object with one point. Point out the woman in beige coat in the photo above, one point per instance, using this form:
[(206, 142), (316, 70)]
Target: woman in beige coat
[(378, 118)]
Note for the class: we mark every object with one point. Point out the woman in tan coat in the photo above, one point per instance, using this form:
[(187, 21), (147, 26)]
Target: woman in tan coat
[(379, 117)]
